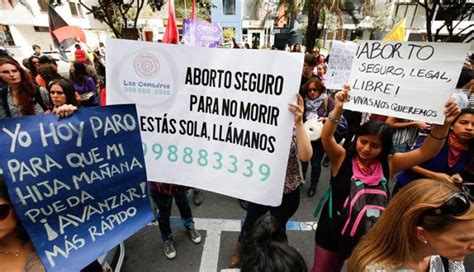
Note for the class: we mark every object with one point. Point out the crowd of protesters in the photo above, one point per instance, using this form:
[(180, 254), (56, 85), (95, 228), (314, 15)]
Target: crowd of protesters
[(426, 223)]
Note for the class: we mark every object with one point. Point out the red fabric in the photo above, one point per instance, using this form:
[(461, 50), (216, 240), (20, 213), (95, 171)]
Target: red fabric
[(193, 11), (80, 55), (171, 32), (69, 32), (103, 96)]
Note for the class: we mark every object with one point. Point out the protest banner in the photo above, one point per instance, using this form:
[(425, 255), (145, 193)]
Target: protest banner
[(409, 80), (201, 33), (78, 184), (215, 119), (339, 65)]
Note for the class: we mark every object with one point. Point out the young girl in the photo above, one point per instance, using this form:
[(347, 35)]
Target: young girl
[(62, 92), (368, 160), (449, 162)]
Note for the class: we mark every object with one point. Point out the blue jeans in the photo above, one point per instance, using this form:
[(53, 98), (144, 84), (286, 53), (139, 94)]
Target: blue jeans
[(318, 154), (164, 202)]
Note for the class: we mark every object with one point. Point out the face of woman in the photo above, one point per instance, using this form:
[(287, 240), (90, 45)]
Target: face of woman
[(368, 147), (464, 127), (10, 74), (8, 220), (320, 70), (455, 243), (313, 91), (57, 95)]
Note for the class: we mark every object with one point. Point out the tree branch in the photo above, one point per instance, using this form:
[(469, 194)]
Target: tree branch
[(140, 4)]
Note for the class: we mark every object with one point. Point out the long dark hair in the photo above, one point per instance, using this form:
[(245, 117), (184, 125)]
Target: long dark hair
[(48, 73), (376, 128), (68, 90), (27, 91), (470, 143), (80, 74), (266, 248), (32, 66)]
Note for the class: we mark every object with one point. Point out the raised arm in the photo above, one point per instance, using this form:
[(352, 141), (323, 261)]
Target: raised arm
[(431, 145), (303, 143), (334, 151)]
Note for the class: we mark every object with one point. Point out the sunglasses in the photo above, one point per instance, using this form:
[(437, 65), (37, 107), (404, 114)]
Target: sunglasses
[(4, 211), (313, 90), (457, 204)]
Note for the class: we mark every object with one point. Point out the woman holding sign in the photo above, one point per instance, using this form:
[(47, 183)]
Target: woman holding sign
[(16, 251), (300, 149), (62, 92), (359, 188)]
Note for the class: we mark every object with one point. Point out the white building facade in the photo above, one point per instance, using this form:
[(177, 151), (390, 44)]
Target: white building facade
[(22, 25)]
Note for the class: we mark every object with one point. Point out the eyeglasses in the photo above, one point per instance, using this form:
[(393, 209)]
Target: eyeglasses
[(4, 211), (457, 204), (313, 90), (467, 187)]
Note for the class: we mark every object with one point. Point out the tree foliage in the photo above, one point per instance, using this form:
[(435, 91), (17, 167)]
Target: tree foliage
[(119, 15), (451, 11), (317, 12), (203, 9)]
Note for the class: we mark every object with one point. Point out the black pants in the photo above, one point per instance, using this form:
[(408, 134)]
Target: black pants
[(282, 213)]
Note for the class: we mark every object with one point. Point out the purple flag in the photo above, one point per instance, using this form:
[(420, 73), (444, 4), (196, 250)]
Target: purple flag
[(202, 34)]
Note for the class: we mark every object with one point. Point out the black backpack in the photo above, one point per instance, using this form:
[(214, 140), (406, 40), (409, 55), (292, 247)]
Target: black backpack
[(361, 209)]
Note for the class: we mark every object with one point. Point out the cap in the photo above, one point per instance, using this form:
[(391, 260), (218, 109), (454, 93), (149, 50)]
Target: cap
[(46, 59)]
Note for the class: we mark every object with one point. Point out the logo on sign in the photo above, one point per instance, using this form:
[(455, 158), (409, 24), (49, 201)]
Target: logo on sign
[(146, 65)]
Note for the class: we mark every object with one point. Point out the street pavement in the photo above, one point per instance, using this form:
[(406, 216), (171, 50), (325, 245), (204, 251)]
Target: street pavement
[(219, 220)]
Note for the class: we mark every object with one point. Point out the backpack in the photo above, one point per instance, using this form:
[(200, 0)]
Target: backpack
[(4, 97), (361, 209)]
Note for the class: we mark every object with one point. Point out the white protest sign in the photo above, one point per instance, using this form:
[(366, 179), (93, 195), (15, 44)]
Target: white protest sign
[(409, 80), (339, 65), (215, 119)]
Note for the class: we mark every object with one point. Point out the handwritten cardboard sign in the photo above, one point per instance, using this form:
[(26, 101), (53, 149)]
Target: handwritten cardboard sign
[(77, 184), (409, 80), (210, 118), (200, 33), (339, 65)]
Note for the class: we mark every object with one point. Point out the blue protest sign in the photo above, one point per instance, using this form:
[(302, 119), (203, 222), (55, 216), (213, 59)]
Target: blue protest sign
[(78, 184)]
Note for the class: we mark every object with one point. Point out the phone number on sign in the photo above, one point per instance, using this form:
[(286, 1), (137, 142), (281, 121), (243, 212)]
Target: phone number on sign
[(205, 158)]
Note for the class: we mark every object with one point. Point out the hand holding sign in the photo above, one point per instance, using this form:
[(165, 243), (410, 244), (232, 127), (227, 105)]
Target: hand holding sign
[(451, 111), (342, 96), (77, 184), (297, 109)]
